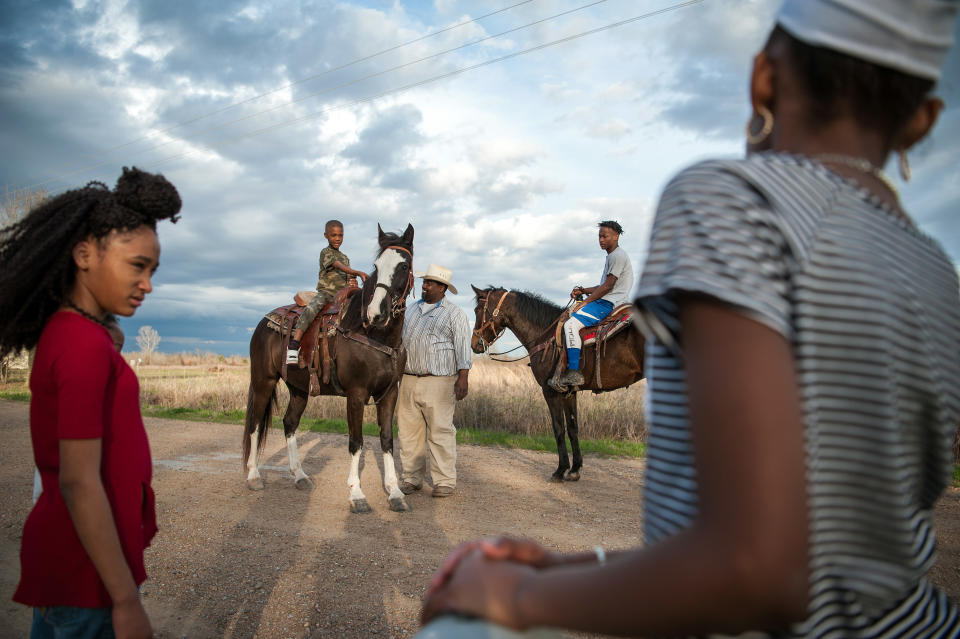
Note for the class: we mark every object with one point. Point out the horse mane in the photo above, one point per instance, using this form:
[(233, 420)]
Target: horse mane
[(533, 306)]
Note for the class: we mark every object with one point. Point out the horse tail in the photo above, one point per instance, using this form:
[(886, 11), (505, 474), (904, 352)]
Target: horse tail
[(259, 422), (260, 405)]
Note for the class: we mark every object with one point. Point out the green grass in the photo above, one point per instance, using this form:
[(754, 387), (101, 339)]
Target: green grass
[(607, 448), (195, 414), (604, 447)]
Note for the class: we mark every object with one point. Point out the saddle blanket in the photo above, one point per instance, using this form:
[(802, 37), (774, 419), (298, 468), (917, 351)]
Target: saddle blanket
[(284, 317), (619, 319)]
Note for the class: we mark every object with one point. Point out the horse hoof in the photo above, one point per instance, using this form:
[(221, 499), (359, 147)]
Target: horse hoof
[(359, 506), (255, 484), (573, 475), (399, 505), (304, 483), (557, 477)]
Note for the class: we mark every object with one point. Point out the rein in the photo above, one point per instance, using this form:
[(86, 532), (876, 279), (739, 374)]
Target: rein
[(478, 332)]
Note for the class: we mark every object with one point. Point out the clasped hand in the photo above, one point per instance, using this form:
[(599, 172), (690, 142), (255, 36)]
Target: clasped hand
[(484, 578)]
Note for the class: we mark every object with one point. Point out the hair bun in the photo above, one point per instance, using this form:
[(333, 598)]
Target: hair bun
[(149, 194)]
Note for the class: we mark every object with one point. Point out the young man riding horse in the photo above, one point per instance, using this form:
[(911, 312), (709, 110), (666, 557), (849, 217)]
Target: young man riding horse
[(613, 290)]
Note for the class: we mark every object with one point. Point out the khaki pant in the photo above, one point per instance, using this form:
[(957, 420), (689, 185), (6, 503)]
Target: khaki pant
[(425, 416)]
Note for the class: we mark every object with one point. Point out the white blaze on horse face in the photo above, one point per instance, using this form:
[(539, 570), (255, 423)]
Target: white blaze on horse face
[(353, 481), (386, 265)]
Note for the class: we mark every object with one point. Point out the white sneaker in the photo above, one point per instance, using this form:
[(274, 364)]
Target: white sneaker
[(293, 356)]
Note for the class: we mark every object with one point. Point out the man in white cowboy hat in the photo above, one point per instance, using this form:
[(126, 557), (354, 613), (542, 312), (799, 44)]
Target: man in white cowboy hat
[(436, 334)]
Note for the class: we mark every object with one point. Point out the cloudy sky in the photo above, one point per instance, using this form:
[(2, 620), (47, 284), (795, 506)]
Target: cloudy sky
[(487, 124)]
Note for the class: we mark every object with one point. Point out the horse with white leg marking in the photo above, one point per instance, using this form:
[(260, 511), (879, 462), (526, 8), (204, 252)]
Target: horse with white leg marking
[(613, 361), (367, 361)]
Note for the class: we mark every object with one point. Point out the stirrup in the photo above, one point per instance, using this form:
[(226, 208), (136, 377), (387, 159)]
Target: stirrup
[(571, 378), (293, 356), (554, 383)]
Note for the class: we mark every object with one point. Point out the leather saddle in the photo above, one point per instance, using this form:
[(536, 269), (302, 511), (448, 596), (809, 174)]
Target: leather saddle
[(618, 319), (315, 349)]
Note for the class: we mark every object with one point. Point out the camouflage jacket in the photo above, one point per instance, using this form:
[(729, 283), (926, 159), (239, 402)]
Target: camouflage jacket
[(330, 279)]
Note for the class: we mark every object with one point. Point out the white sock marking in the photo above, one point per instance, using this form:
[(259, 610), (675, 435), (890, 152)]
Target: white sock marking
[(253, 473), (353, 481), (295, 468), (390, 477)]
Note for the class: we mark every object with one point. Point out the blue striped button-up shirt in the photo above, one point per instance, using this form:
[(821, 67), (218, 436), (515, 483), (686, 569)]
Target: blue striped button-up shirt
[(438, 340)]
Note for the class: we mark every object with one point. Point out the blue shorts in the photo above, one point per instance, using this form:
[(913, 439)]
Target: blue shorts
[(70, 622), (594, 312)]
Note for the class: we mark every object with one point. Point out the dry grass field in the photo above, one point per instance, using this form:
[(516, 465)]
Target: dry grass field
[(503, 396)]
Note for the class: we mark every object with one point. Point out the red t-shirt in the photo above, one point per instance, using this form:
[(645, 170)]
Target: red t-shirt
[(83, 389)]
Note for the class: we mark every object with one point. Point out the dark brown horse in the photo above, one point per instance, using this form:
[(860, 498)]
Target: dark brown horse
[(368, 362), (534, 321)]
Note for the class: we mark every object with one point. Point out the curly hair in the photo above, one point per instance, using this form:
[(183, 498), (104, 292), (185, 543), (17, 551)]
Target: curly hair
[(613, 226), (37, 271)]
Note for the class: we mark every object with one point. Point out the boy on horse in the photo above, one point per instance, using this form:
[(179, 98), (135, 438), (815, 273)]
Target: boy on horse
[(615, 285), (334, 269)]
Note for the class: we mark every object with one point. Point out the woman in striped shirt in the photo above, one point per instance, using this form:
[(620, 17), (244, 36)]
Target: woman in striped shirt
[(802, 359)]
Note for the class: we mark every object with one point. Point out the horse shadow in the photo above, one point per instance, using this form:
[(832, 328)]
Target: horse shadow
[(289, 562)]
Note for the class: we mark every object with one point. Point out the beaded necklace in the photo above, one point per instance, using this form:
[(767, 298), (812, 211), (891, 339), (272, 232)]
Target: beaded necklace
[(89, 316), (860, 164)]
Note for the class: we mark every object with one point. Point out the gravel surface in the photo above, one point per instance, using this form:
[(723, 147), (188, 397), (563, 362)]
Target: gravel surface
[(229, 562)]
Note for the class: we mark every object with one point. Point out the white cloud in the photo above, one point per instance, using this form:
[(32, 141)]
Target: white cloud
[(612, 129), (504, 170), (115, 32)]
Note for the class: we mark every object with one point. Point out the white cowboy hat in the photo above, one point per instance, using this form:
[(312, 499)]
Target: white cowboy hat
[(437, 273)]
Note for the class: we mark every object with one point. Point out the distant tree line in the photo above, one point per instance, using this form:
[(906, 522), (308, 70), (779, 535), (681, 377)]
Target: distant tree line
[(14, 206)]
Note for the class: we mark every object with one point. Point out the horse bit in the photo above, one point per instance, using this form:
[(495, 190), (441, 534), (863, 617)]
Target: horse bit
[(478, 332)]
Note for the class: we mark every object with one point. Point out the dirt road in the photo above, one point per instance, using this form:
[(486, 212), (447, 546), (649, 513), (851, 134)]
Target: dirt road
[(284, 563)]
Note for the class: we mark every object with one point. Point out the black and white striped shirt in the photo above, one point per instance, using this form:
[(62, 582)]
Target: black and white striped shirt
[(871, 307), (437, 339)]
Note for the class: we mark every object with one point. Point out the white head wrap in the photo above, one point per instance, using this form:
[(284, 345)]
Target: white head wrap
[(912, 36)]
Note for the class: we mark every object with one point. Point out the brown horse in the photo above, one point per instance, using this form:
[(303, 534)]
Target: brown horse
[(534, 321), (368, 361)]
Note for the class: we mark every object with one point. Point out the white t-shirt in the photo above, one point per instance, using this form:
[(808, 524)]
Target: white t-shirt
[(618, 264)]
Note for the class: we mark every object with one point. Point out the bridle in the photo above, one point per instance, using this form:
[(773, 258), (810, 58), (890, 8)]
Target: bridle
[(490, 323), (398, 305)]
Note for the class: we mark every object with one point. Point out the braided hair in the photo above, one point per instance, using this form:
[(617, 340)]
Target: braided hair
[(37, 270)]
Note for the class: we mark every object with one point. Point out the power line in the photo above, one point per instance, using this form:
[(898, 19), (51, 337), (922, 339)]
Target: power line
[(311, 95), (282, 88), (437, 78)]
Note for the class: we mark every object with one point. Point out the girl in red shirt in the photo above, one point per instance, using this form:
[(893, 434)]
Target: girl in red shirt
[(72, 261)]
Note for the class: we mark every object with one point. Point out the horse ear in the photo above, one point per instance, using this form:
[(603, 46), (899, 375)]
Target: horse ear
[(408, 234), (380, 233), (476, 290)]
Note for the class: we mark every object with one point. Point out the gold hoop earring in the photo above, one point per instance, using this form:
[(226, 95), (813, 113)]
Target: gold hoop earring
[(904, 165), (764, 133)]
